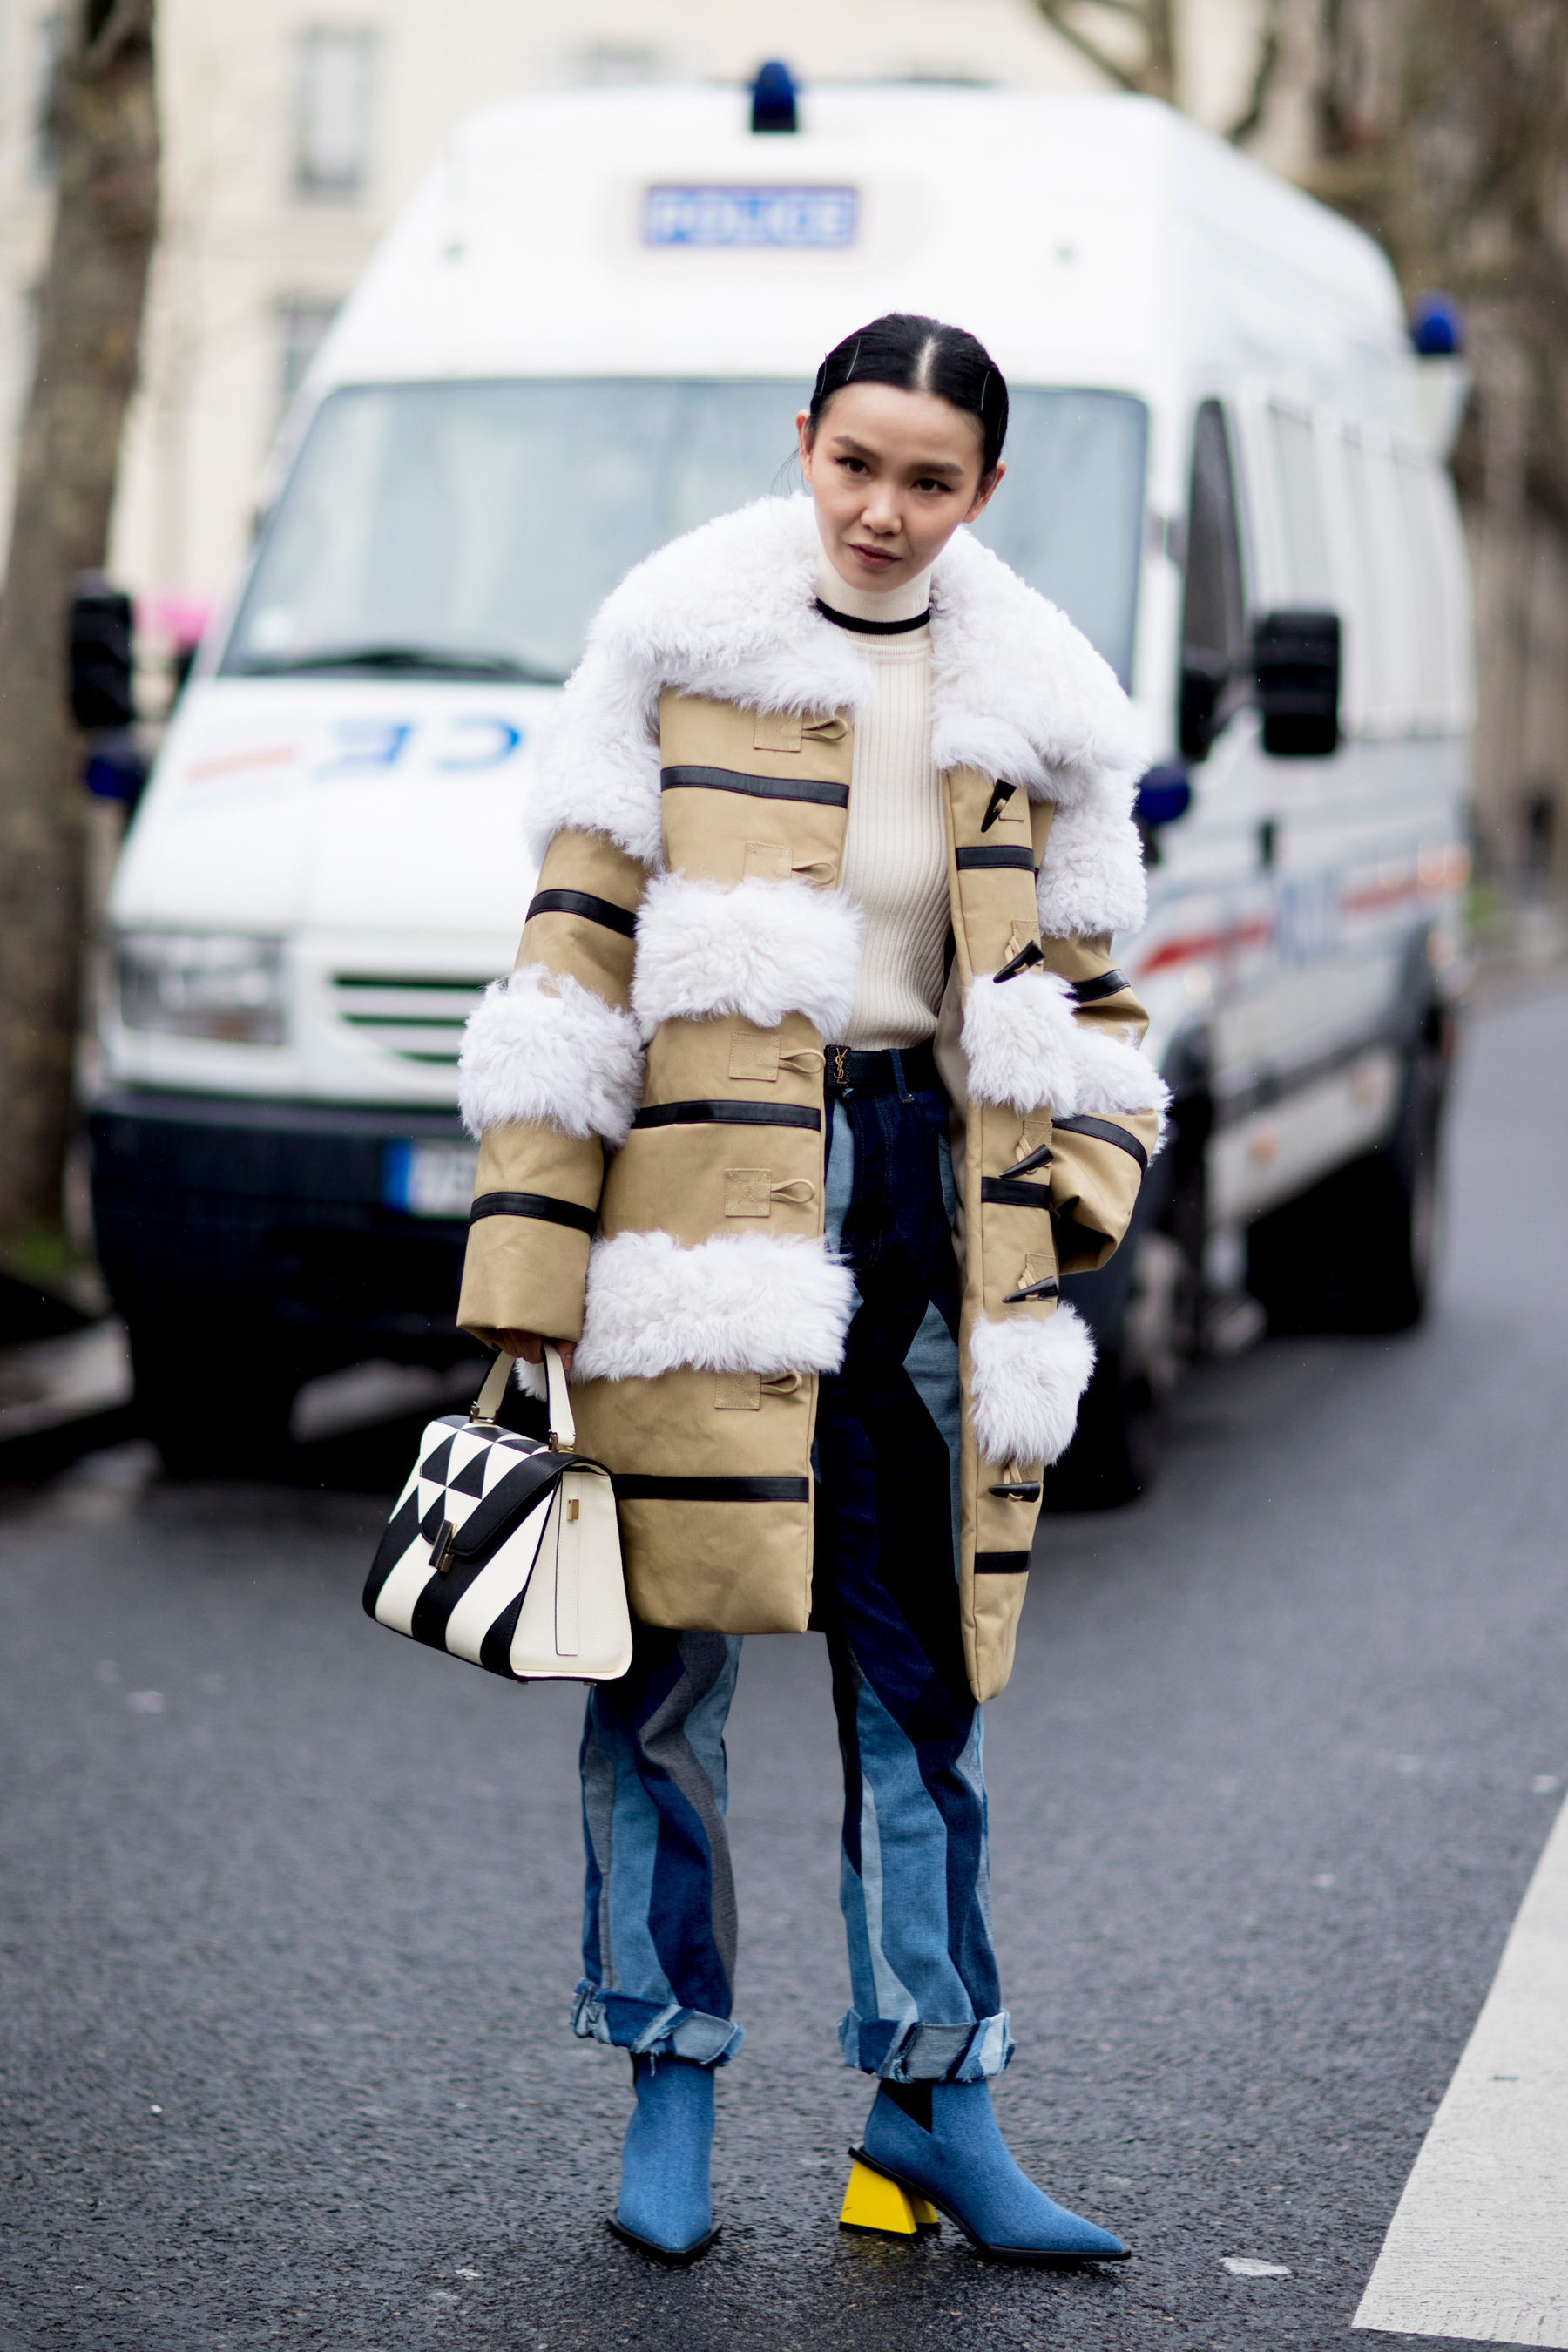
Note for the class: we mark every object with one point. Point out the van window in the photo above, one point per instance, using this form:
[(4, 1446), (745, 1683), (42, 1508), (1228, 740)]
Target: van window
[(1214, 611), (1070, 515), (1421, 531), (1301, 493), (474, 529)]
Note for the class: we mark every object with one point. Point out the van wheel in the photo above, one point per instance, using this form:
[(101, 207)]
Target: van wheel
[(211, 1415), (1357, 1252)]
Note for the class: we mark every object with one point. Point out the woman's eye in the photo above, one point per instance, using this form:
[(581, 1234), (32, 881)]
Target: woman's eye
[(929, 482), (853, 465)]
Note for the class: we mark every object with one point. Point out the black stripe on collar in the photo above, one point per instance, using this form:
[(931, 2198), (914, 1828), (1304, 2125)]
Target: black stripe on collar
[(872, 628)]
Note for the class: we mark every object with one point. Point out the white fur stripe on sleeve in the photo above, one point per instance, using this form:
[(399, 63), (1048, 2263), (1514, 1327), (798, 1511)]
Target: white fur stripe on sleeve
[(1091, 878), (1109, 1074), (761, 950), (1019, 1040), (541, 1046), (1027, 1378), (744, 1303)]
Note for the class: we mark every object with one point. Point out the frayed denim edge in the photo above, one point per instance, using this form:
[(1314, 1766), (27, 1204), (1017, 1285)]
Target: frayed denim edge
[(626, 2023), (911, 2050)]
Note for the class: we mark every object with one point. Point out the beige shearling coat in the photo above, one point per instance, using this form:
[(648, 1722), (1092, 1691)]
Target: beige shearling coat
[(647, 1087)]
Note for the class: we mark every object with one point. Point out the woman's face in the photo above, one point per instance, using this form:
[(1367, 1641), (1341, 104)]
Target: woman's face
[(893, 475)]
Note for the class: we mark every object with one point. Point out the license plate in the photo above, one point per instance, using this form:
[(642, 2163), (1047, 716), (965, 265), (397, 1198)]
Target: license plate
[(430, 1180)]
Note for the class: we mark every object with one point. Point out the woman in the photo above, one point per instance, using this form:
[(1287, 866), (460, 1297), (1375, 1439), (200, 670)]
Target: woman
[(815, 1025)]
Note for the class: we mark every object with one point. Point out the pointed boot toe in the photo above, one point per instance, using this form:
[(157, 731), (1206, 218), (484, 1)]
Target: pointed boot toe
[(940, 2141)]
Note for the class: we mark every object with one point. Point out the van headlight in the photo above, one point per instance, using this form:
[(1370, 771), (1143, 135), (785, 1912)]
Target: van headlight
[(221, 984)]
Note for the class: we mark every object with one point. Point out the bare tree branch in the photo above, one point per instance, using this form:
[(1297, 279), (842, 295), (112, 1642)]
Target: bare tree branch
[(1051, 10), (1270, 49)]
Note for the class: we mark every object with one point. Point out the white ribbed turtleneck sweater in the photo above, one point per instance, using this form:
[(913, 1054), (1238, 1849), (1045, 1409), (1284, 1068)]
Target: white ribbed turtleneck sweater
[(895, 848)]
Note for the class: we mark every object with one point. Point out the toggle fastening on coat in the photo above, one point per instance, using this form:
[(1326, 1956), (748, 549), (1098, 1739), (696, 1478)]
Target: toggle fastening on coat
[(648, 1086)]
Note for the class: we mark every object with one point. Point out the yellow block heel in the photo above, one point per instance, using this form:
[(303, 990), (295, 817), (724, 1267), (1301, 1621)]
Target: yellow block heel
[(872, 2201)]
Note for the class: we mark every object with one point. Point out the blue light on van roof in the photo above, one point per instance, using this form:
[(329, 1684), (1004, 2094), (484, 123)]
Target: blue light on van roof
[(774, 99), (1436, 326)]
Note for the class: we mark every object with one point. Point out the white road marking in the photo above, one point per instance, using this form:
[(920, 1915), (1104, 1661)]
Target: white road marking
[(1248, 2266), (1478, 2246)]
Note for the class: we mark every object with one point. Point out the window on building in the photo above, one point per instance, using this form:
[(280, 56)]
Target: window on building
[(332, 113), (302, 321)]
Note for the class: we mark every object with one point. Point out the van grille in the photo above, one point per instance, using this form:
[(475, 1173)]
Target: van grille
[(415, 1017)]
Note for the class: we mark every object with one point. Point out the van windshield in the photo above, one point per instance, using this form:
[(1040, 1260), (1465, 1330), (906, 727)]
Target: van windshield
[(472, 530)]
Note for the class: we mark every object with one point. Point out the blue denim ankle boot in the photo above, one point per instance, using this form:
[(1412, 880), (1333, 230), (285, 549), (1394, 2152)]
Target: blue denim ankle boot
[(666, 2204), (940, 2141)]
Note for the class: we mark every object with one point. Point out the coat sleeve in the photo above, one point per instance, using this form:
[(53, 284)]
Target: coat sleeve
[(1101, 1149), (549, 1079), (1092, 885)]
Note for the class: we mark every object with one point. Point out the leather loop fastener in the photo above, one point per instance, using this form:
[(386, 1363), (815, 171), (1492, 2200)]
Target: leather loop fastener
[(987, 854), (1026, 1490), (1047, 1288), (583, 903), (1104, 983), (544, 1205), (1040, 1157), (1000, 1192), (1104, 1131), (1000, 793), (762, 788), (1021, 963), (729, 1114)]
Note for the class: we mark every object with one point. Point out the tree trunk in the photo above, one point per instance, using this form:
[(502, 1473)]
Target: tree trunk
[(104, 132)]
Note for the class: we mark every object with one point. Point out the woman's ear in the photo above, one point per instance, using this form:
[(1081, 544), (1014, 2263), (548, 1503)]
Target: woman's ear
[(803, 435), (984, 494)]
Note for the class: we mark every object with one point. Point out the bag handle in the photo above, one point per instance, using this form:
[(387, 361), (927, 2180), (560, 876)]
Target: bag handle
[(562, 1422)]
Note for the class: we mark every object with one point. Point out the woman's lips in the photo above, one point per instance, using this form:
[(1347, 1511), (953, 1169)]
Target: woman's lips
[(875, 559)]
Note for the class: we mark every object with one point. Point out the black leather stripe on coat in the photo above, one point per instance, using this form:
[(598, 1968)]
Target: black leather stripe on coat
[(638, 1489), (993, 854), (583, 902), (1104, 983), (729, 1114), (762, 788), (1106, 1132), (1002, 1194), (543, 1205), (1001, 1563)]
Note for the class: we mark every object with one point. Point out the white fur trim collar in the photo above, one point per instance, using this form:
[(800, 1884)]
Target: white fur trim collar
[(729, 612)]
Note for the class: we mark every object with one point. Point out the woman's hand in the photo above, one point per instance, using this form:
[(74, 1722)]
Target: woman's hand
[(529, 1346)]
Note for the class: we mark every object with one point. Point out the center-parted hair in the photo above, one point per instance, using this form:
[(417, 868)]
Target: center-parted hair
[(916, 354)]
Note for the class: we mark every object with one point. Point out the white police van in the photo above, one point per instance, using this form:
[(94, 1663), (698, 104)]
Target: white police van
[(591, 330)]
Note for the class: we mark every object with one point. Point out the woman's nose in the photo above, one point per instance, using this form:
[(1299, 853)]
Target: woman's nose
[(881, 512)]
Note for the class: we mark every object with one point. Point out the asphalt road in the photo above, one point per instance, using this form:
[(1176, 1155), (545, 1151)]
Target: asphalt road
[(290, 1906)]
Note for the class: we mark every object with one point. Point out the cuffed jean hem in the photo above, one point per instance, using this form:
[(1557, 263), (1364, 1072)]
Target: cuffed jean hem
[(908, 2050), (649, 2032)]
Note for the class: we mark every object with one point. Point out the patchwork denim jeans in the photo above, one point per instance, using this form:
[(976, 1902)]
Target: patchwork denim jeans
[(659, 1922)]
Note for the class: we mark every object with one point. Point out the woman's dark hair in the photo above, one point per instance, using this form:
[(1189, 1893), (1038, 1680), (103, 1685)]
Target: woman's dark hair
[(920, 355)]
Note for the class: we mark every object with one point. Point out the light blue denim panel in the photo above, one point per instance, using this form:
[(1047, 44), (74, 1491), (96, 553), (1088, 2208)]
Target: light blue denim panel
[(896, 1905), (971, 1764), (837, 1191), (932, 1363), (622, 1823)]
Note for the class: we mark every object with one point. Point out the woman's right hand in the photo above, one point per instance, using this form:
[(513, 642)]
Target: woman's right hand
[(529, 1346)]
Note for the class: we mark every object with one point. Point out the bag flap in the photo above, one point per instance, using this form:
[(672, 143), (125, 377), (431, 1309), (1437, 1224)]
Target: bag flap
[(510, 1500)]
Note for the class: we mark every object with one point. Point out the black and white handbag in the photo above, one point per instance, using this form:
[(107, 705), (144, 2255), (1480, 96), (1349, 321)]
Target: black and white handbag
[(507, 1552)]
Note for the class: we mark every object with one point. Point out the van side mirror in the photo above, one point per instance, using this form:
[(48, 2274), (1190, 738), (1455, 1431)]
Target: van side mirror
[(102, 654), (1296, 663), (1204, 678)]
